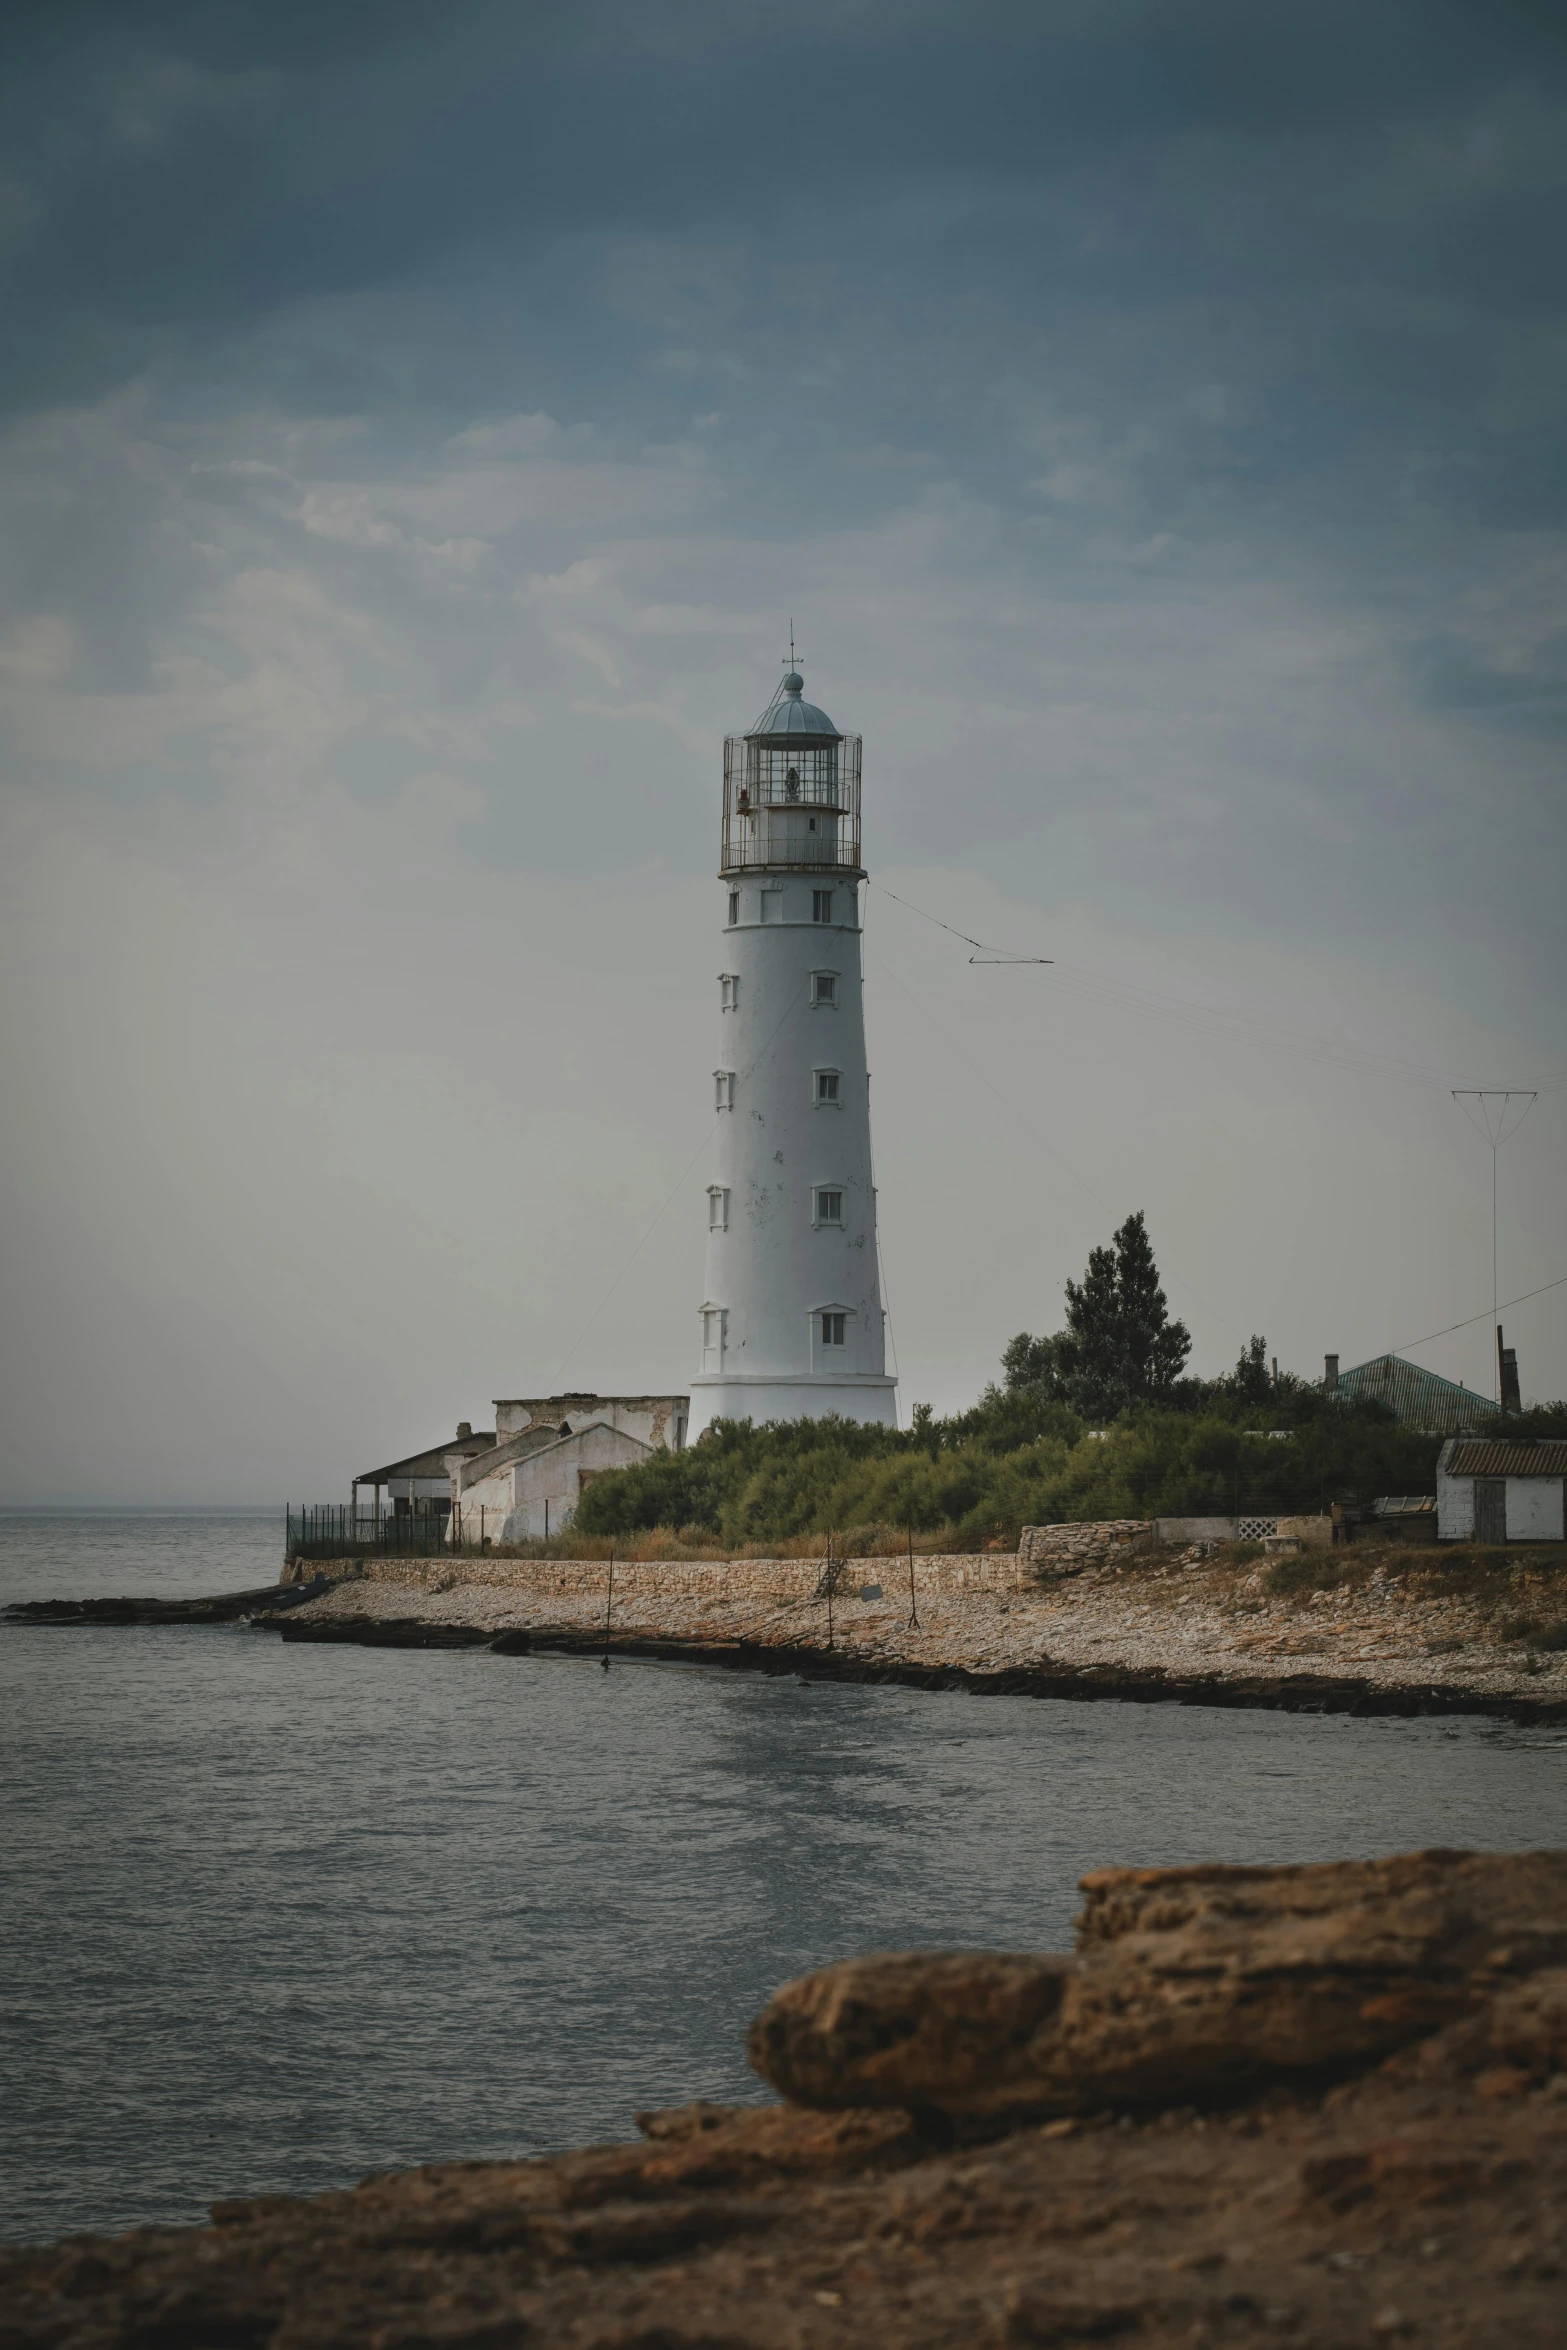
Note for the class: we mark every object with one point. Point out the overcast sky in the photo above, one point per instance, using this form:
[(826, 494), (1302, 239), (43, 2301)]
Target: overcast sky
[(420, 426)]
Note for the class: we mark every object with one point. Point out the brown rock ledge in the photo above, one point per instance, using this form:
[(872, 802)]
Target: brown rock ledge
[(1421, 2198)]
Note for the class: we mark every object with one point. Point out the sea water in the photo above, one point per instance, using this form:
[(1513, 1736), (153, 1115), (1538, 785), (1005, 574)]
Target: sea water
[(278, 1915)]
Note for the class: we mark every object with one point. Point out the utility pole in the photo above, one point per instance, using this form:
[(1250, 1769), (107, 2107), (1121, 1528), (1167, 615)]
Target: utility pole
[(1496, 1115)]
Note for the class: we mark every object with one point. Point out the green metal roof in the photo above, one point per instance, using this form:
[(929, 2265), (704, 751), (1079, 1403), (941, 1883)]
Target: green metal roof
[(1417, 1397)]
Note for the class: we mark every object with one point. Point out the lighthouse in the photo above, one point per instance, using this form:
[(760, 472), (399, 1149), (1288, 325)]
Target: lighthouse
[(791, 1318)]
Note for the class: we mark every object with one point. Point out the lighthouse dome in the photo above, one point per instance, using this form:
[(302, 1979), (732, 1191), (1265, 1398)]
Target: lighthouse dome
[(791, 714)]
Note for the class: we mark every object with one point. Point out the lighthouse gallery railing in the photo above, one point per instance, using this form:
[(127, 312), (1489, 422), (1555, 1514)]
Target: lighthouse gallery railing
[(791, 805)]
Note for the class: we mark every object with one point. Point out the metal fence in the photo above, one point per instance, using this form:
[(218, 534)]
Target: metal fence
[(337, 1530)]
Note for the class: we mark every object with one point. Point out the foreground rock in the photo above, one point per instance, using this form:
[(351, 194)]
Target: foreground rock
[(1421, 2198), (1193, 1985)]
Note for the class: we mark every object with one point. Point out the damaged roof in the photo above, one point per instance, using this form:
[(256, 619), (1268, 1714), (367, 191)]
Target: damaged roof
[(427, 1464)]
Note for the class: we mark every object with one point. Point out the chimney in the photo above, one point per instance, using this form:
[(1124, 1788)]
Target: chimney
[(1507, 1375), (464, 1430), (1330, 1373)]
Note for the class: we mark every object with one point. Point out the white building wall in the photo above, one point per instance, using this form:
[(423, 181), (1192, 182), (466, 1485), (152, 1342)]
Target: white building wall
[(1455, 1500), (524, 1500), (773, 1265), (1534, 1509)]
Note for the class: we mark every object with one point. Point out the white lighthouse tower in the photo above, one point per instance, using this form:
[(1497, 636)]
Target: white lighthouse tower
[(792, 1319)]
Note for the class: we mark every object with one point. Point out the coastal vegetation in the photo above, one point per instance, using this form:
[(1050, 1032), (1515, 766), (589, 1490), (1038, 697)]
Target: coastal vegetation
[(1013, 1460), (1096, 1421)]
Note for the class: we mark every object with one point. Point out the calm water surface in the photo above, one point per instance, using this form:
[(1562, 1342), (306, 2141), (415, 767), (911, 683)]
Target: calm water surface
[(275, 1916)]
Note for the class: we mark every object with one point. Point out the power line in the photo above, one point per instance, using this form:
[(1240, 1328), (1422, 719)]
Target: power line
[(1491, 1115), (1505, 1307), (1207, 1019), (983, 955), (972, 1066)]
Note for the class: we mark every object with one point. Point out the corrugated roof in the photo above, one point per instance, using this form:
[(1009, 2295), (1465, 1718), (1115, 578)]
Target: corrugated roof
[(1403, 1505), (1492, 1459), (1418, 1397)]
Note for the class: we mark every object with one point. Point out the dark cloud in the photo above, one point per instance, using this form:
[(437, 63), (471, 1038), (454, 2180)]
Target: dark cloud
[(208, 164)]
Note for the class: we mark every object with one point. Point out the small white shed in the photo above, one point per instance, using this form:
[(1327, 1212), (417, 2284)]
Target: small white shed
[(1490, 1491)]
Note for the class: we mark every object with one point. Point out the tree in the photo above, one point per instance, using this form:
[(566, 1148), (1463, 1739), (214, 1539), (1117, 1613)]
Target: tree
[(1119, 1345), (1251, 1380), (1032, 1364)]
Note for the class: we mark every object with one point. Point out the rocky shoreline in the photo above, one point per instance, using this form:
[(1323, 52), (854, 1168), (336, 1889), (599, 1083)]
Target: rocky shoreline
[(1372, 1630), (1277, 1693), (1385, 1632), (1326, 2105)]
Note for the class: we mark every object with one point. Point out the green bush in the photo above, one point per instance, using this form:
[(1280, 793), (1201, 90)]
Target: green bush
[(1017, 1458)]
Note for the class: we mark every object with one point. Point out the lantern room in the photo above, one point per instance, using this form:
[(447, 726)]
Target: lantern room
[(792, 790)]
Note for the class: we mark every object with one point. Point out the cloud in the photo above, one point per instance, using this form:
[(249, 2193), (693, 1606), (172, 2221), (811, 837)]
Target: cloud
[(420, 431)]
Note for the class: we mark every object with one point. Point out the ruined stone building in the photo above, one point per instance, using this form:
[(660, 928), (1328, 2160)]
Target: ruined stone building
[(526, 1484)]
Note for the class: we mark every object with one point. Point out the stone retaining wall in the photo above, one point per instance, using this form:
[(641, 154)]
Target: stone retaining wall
[(779, 1581), (1066, 1550)]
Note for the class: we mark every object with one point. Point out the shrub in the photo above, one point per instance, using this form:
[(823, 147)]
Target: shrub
[(1014, 1459)]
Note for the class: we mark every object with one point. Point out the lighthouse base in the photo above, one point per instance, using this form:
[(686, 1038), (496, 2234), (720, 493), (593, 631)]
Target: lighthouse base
[(725, 1395)]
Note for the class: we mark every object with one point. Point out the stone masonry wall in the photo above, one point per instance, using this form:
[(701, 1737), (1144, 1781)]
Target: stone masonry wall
[(1047, 1551), (715, 1580)]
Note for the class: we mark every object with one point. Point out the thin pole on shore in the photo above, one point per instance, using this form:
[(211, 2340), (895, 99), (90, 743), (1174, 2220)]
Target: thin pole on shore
[(914, 1612), (829, 1591), (608, 1604)]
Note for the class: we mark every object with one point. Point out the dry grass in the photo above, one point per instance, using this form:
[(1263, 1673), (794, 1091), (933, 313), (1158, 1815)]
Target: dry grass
[(1515, 1596)]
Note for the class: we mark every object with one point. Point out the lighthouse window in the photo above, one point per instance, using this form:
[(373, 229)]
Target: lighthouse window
[(821, 905), (715, 1320), (829, 1207), (775, 772), (832, 1329), (827, 1085), (734, 907), (723, 1089), (824, 987), (717, 1208), (728, 990)]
